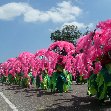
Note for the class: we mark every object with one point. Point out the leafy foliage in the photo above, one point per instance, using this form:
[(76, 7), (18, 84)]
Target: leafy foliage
[(69, 33), (100, 84)]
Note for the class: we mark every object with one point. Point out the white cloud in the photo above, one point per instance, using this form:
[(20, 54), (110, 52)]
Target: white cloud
[(11, 10), (91, 26), (79, 25), (63, 12)]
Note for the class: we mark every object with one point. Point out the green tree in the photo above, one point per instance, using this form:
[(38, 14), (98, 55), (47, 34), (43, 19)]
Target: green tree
[(69, 33)]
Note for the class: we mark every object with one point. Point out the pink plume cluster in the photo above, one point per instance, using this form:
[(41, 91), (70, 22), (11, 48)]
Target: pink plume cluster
[(93, 48), (44, 59), (90, 54), (65, 50), (62, 45)]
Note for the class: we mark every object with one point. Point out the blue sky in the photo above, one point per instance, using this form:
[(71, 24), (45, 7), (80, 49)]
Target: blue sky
[(26, 25)]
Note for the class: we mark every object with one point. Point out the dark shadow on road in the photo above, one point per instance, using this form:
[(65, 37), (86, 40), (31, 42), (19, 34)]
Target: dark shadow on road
[(42, 92), (13, 87), (80, 104)]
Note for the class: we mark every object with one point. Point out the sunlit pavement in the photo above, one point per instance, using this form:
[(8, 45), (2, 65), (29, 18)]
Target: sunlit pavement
[(4, 106), (39, 100)]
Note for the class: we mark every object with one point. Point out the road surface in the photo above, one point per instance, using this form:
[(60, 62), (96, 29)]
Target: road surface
[(15, 98)]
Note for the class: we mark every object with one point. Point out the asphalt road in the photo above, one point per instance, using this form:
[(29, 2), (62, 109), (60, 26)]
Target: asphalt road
[(4, 106), (40, 100)]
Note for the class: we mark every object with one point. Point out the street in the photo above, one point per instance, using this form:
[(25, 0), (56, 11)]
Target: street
[(19, 99)]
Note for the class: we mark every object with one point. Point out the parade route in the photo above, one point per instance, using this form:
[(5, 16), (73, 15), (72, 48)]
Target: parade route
[(3, 105), (11, 105), (21, 99), (15, 98)]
